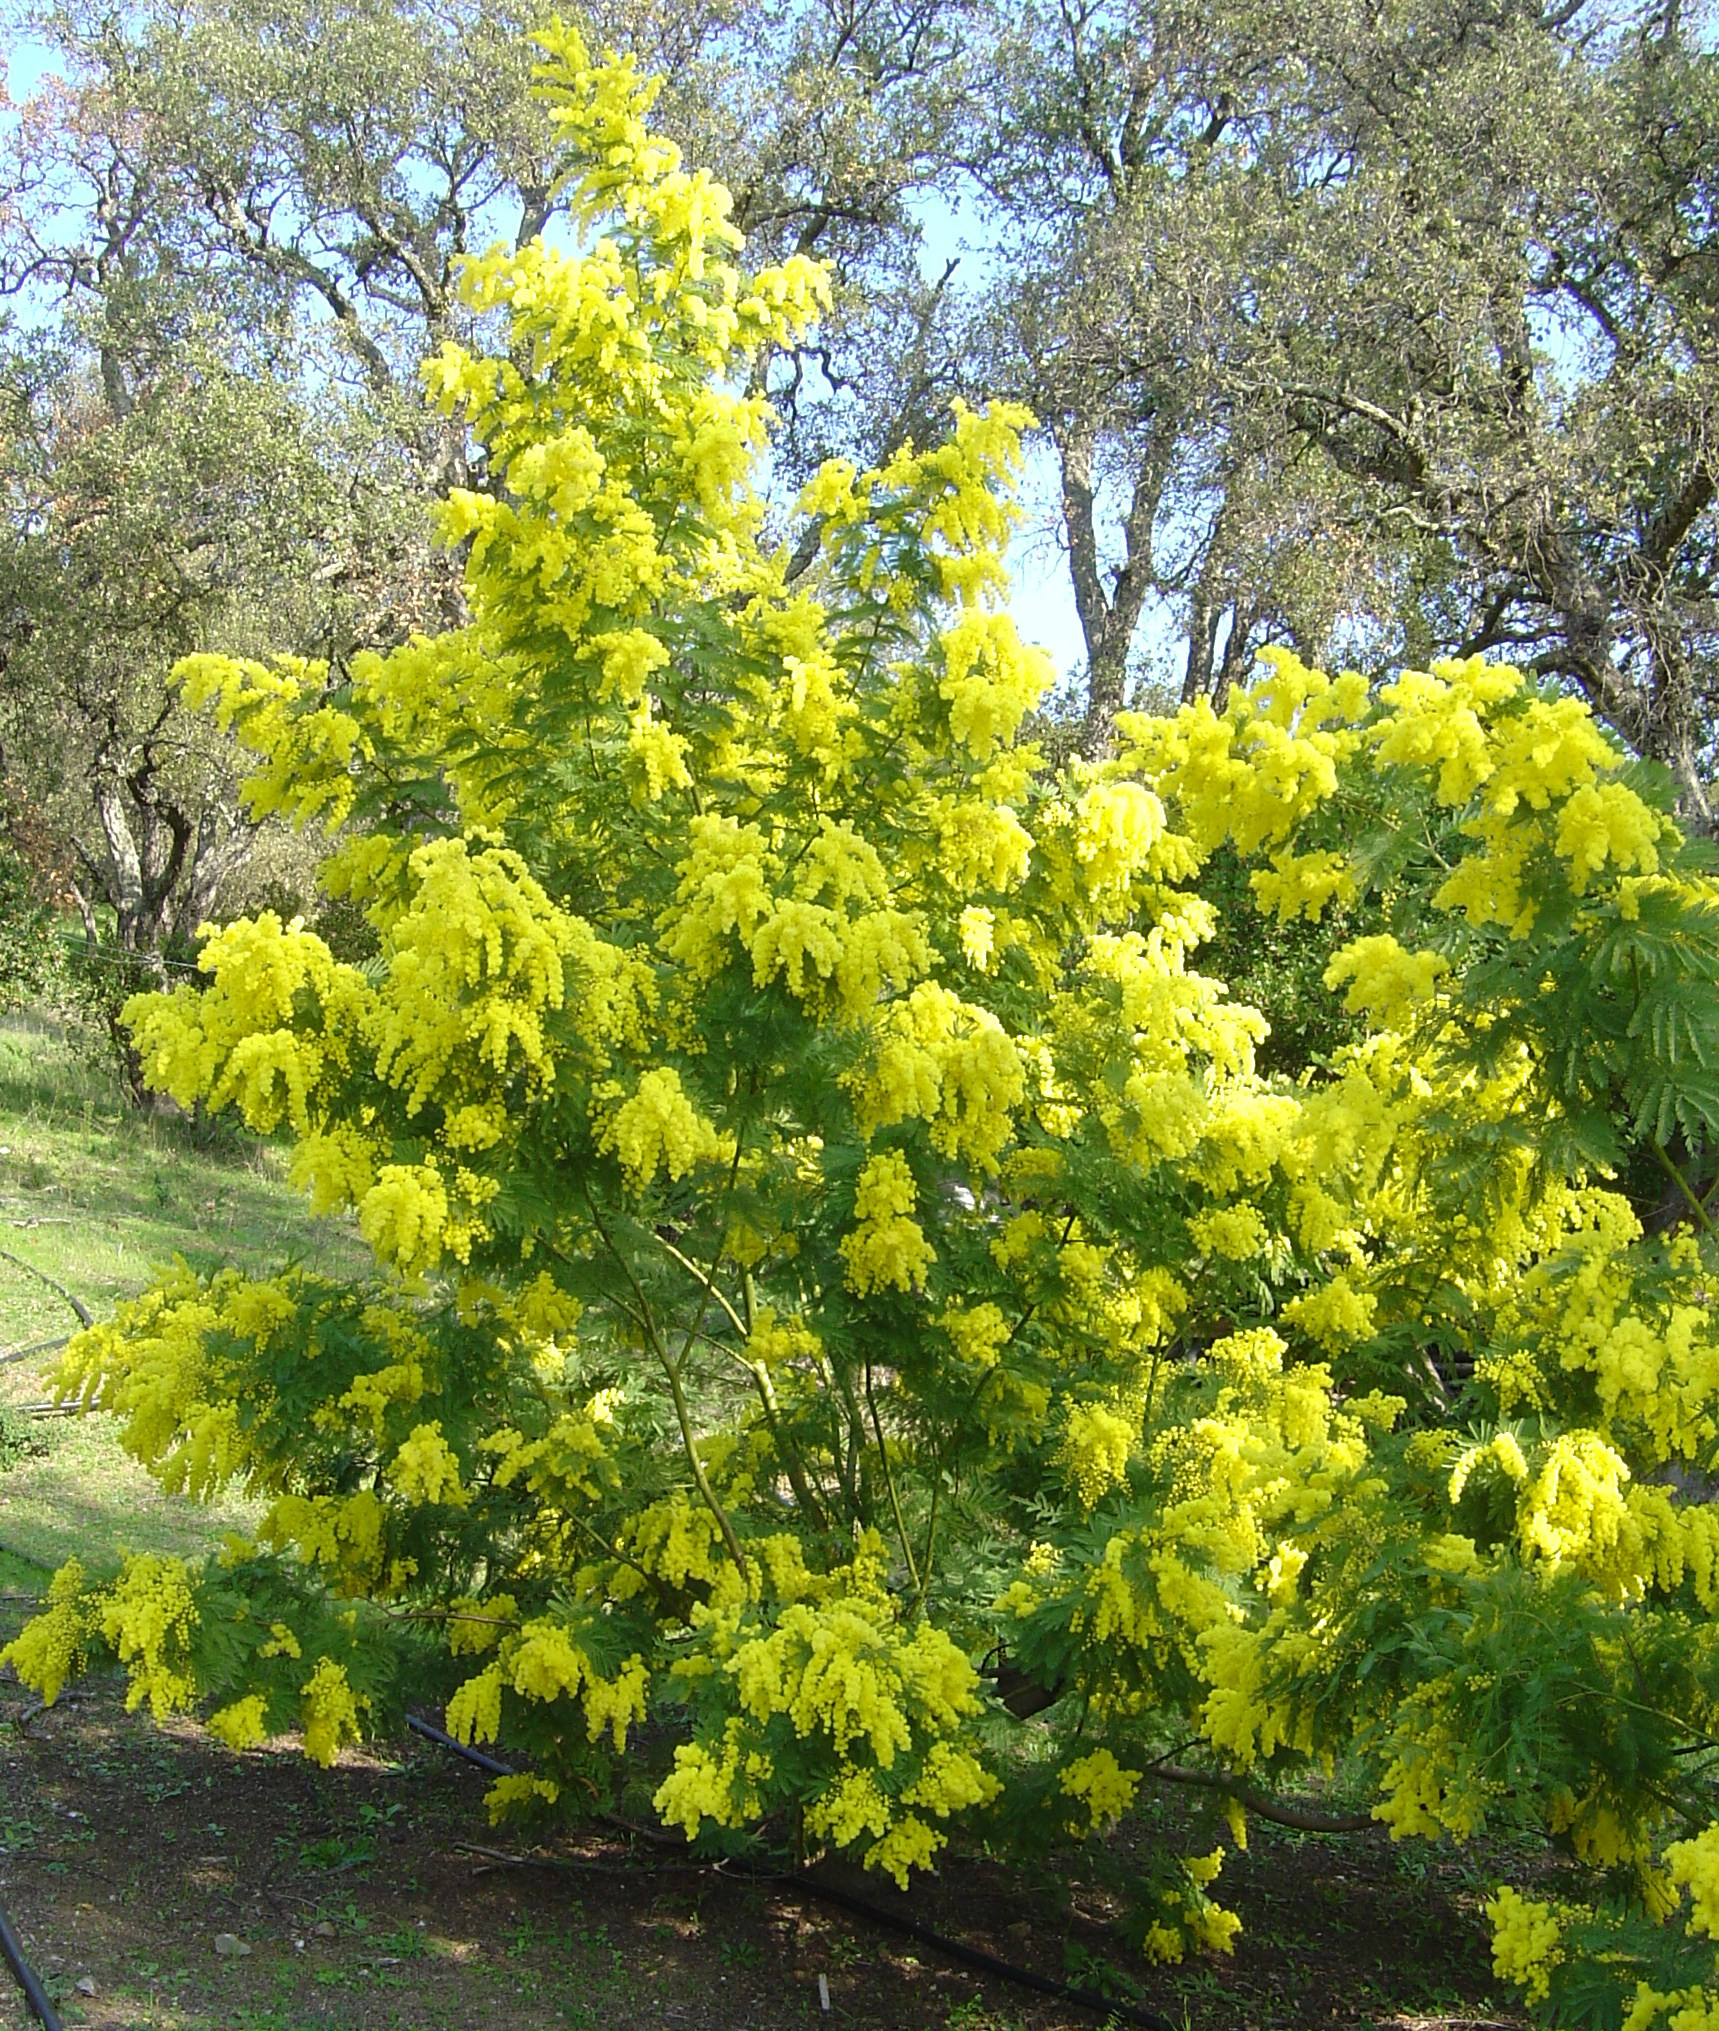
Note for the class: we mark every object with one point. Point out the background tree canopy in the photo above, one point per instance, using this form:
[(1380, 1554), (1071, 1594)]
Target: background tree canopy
[(1381, 333), (1387, 331)]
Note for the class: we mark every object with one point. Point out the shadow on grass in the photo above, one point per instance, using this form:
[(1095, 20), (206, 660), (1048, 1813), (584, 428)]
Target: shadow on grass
[(86, 1496), (97, 1195)]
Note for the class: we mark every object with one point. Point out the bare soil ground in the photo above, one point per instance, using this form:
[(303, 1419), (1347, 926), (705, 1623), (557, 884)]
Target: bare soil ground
[(162, 1884)]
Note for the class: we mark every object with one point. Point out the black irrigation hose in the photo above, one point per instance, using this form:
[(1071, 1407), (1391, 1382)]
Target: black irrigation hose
[(34, 1994), (974, 1956), (431, 1733), (809, 1886)]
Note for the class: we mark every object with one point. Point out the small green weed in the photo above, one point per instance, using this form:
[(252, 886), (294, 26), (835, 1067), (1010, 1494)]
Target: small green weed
[(334, 1852), (1092, 1971), (973, 2016)]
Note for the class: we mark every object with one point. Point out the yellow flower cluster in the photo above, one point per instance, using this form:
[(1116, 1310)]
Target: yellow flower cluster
[(1236, 1232), (1693, 1865), (146, 1617), (239, 1041), (545, 1661), (1337, 1316), (329, 1712), (478, 960), (1096, 1443), (1116, 827), (1189, 1916), (657, 1128), (1526, 1941), (1655, 1368), (242, 1723), (1255, 773), (1544, 757), (978, 1333), (54, 1644), (676, 1539), (1301, 884), (1268, 1468), (991, 680), (887, 1250), (944, 1062), (1438, 719), (1102, 1785), (1691, 2009), (842, 1674), (426, 1469), (1575, 1506), (311, 752), (841, 1669), (1384, 979)]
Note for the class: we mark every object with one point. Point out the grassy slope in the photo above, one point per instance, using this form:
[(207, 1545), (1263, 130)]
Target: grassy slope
[(94, 1195)]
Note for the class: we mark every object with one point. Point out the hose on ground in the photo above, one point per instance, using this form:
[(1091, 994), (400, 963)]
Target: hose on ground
[(1111, 2008), (34, 1994), (806, 1885), (432, 1733)]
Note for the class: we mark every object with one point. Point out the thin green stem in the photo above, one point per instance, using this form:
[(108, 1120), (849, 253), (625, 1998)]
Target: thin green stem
[(451, 1615), (672, 1374), (759, 1376), (707, 1278), (889, 1486), (792, 1464), (850, 1469), (705, 1282), (684, 1418), (1688, 1190), (926, 1556)]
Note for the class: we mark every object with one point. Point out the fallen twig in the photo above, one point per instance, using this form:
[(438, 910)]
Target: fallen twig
[(654, 1835), (568, 1864), (72, 1696), (77, 1304)]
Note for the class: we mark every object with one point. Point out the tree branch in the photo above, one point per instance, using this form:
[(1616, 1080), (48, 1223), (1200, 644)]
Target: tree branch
[(1282, 1812)]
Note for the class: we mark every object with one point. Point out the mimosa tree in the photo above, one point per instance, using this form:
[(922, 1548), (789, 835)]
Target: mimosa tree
[(843, 1292)]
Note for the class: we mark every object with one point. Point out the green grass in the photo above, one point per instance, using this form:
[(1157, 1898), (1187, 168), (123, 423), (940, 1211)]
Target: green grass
[(20, 1575), (94, 1195)]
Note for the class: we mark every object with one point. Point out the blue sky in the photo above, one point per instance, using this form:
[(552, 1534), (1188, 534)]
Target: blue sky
[(1043, 601), (27, 63)]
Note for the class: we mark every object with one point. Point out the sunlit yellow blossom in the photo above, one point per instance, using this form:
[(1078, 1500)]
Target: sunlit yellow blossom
[(1384, 979), (1102, 1785), (1526, 1940), (1238, 1232), (329, 1712), (887, 1248), (1097, 1441), (426, 1470), (658, 1128), (243, 1724)]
